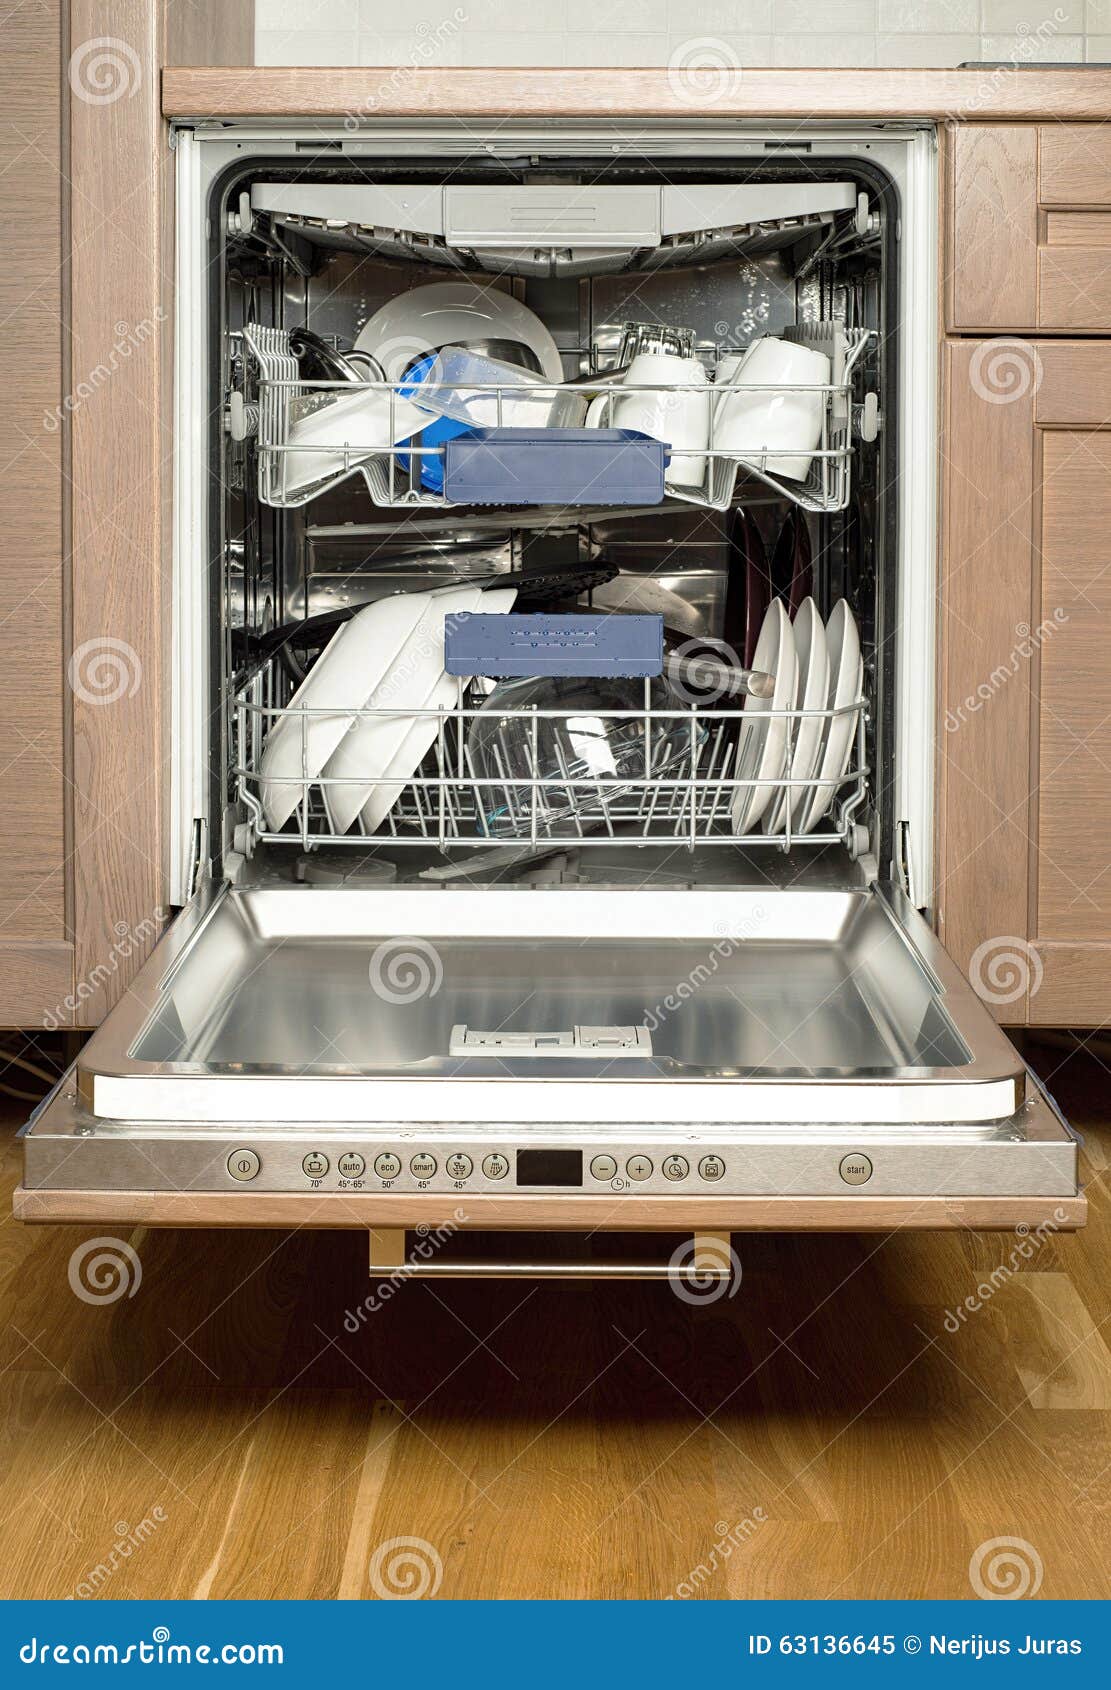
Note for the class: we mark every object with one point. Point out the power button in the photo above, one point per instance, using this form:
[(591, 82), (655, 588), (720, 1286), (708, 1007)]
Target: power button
[(243, 1164)]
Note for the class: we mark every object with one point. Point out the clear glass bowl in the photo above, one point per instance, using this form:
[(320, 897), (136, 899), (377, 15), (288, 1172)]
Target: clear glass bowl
[(602, 765)]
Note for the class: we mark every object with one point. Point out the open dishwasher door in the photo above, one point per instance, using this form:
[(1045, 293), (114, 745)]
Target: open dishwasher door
[(616, 1057)]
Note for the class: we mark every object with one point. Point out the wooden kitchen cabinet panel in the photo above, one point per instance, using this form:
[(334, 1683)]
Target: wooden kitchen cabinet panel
[(1029, 228), (1025, 717), (36, 957), (1074, 696)]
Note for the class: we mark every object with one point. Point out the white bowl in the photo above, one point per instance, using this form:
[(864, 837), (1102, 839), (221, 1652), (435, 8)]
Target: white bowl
[(774, 431), (445, 313)]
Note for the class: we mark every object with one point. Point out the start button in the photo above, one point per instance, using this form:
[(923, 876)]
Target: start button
[(855, 1170)]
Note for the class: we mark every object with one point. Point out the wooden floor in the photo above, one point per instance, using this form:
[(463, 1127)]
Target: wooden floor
[(820, 1434)]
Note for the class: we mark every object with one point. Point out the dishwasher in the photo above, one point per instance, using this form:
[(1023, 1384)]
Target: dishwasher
[(520, 997)]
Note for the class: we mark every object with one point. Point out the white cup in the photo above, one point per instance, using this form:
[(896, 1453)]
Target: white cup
[(679, 413), (760, 427)]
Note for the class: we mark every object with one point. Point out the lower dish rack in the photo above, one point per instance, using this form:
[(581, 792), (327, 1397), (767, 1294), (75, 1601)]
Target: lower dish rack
[(679, 783)]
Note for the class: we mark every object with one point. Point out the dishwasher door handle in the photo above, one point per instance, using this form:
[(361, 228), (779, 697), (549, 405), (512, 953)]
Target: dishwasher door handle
[(706, 1259)]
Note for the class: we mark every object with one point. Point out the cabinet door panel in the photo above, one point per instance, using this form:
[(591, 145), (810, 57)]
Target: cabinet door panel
[(1074, 706), (36, 961), (985, 590), (1025, 731), (993, 226)]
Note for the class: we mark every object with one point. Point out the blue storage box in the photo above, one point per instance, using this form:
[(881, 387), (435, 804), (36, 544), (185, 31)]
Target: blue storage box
[(588, 642), (555, 466)]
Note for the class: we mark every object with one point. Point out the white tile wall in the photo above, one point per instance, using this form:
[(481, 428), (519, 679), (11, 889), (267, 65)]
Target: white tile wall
[(648, 32)]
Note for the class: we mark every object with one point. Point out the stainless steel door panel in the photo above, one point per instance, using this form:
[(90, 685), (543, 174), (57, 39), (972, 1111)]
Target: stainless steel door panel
[(788, 1006)]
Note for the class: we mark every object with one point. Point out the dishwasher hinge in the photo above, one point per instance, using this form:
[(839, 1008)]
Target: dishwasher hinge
[(198, 855), (902, 856)]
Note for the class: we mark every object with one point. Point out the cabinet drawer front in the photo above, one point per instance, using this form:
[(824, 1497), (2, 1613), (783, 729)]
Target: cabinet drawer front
[(1074, 287), (1028, 238), (1074, 164)]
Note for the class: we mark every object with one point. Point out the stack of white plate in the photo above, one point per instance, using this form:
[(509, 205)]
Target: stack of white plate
[(388, 658), (816, 667)]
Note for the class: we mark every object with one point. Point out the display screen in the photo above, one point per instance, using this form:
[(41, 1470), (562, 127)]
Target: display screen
[(549, 1167)]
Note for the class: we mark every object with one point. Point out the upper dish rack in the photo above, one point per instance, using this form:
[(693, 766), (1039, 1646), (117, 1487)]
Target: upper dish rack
[(682, 788), (360, 438)]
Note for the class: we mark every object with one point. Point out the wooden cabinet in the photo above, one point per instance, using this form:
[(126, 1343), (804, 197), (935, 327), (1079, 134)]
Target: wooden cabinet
[(1025, 735), (36, 956), (1029, 242)]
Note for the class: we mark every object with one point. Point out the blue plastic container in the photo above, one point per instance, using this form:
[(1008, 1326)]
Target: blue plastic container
[(586, 642), (554, 466)]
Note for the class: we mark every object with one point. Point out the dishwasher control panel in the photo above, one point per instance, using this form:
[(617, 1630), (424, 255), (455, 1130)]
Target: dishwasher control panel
[(517, 1168), (659, 1169)]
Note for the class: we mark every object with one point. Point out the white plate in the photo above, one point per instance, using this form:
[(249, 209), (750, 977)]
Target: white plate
[(805, 738), (356, 425), (411, 752), (354, 661), (846, 677), (377, 747), (447, 313), (364, 752), (762, 746)]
